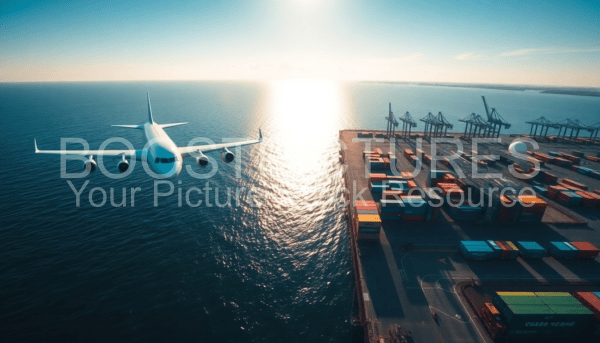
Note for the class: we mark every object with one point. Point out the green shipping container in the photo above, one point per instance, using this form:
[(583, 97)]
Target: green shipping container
[(541, 314)]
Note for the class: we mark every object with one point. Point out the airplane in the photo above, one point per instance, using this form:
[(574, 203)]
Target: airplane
[(163, 155)]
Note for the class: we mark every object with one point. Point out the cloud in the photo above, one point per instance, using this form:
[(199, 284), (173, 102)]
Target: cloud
[(466, 56), (525, 52)]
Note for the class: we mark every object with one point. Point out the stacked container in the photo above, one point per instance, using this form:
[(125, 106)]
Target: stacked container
[(506, 212), (391, 210), (575, 184), (434, 204), (573, 159), (532, 209), (451, 189), (550, 314), (530, 250), (398, 185), (476, 250), (571, 316), (554, 191), (591, 300), (366, 223), (589, 199), (464, 212), (547, 177), (569, 199), (415, 208), (563, 250)]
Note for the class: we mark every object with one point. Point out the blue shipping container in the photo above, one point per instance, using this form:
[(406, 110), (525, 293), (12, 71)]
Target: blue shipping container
[(530, 249), (540, 190), (496, 248), (478, 251), (552, 153), (561, 250), (398, 185)]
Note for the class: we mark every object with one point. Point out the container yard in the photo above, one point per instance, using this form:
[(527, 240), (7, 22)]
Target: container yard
[(436, 252)]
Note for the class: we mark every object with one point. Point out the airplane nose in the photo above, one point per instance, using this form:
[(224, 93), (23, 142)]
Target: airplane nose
[(174, 173)]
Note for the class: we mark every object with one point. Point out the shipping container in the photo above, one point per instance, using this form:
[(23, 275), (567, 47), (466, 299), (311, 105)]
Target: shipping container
[(575, 184), (540, 190), (530, 249), (398, 185), (496, 248), (589, 300), (514, 251), (476, 250), (539, 314), (434, 203), (569, 198), (414, 205), (585, 250), (562, 251)]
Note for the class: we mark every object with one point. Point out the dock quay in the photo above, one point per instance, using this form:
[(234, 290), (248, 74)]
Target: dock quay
[(414, 267)]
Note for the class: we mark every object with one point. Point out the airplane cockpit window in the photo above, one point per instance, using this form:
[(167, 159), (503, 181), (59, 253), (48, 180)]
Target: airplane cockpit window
[(164, 160), (172, 159), (157, 160)]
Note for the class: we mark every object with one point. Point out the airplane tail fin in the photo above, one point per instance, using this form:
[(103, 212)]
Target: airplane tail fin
[(150, 120)]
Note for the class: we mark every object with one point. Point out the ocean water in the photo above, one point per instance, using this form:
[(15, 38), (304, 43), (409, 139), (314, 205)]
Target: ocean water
[(273, 264)]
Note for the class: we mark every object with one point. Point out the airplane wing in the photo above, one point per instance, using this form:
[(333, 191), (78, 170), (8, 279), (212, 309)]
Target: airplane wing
[(132, 154), (191, 150)]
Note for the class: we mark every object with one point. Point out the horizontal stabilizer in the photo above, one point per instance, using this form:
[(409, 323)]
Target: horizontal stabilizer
[(139, 127), (171, 125)]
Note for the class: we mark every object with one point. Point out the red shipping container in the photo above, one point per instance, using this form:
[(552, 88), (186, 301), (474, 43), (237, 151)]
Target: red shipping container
[(586, 250), (589, 300), (553, 191), (588, 199), (575, 184)]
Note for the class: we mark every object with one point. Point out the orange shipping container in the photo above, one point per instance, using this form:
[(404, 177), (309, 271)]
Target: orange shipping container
[(365, 203), (411, 184), (377, 177)]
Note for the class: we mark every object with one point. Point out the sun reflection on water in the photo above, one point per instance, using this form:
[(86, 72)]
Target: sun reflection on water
[(306, 115)]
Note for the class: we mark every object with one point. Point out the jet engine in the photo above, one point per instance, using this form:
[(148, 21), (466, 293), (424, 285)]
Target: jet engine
[(202, 160), (90, 164), (227, 155), (123, 165)]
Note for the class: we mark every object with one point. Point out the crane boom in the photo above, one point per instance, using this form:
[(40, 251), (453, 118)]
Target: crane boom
[(487, 111)]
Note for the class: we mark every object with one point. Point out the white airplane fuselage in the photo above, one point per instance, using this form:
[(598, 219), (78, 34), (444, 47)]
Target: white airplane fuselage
[(163, 156)]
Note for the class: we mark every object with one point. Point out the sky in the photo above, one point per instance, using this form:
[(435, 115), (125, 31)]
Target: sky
[(500, 42)]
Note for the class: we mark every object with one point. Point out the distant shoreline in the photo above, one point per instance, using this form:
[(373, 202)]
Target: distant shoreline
[(580, 91)]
